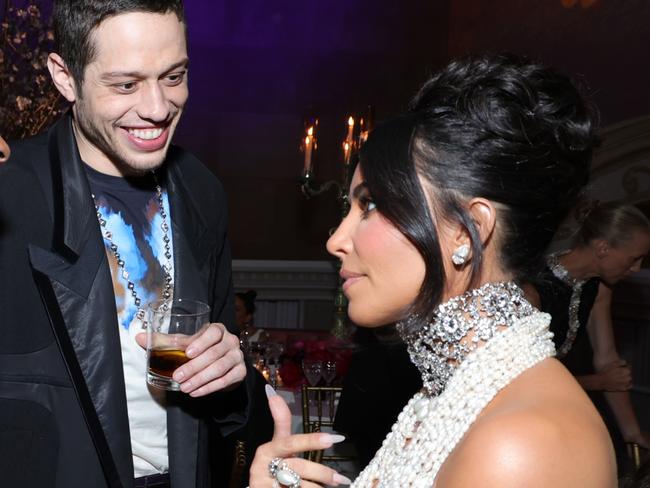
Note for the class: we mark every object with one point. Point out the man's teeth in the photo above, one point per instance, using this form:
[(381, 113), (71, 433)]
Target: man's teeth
[(146, 134)]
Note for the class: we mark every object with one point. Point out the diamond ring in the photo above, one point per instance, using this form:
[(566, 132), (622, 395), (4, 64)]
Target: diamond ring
[(283, 474)]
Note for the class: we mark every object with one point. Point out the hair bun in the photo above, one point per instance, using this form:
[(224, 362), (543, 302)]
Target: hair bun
[(514, 131)]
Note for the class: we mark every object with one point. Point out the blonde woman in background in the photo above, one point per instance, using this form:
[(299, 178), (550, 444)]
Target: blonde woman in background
[(576, 289)]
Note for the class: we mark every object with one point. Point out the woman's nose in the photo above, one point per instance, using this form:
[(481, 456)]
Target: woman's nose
[(339, 244)]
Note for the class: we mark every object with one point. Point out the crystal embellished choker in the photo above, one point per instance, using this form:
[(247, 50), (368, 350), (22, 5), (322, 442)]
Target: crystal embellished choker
[(439, 346)]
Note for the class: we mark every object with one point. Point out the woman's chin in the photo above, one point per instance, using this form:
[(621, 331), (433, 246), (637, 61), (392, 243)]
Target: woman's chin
[(368, 320)]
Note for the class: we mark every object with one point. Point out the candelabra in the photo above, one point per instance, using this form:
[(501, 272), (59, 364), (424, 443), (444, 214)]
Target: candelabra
[(355, 137)]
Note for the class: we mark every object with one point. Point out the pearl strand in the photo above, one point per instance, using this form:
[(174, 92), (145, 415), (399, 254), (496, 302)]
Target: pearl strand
[(430, 427)]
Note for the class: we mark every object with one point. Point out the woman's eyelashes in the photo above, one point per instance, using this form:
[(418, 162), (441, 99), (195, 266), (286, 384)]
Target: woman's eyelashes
[(363, 199), (366, 204)]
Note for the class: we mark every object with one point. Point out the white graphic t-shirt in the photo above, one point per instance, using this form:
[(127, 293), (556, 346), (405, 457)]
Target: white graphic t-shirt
[(131, 210)]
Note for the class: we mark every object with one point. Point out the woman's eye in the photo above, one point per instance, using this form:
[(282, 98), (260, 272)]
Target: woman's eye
[(367, 205)]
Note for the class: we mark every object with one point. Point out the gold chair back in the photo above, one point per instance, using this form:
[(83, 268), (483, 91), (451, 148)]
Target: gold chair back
[(319, 413), (634, 451)]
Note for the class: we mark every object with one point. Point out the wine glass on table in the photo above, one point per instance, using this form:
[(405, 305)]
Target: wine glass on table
[(272, 355), (329, 371), (313, 371)]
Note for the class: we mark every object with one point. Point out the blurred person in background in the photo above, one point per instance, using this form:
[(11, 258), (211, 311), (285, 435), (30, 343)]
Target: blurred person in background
[(576, 289)]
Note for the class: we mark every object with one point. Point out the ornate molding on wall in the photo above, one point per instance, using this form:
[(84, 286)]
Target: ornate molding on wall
[(286, 280), (620, 169), (621, 165), (624, 143)]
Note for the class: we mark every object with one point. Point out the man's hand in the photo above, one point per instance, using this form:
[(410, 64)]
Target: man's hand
[(616, 376), (216, 362)]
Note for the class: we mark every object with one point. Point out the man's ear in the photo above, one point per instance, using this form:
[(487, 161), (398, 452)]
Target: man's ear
[(484, 214), (62, 77)]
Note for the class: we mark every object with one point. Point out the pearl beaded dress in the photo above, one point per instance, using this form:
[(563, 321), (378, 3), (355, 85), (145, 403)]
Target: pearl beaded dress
[(515, 338)]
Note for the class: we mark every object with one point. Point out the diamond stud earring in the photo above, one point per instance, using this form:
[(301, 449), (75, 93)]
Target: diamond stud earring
[(459, 256)]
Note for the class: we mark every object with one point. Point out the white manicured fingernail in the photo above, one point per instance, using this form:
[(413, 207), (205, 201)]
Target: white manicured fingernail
[(329, 439), (339, 479), (270, 392)]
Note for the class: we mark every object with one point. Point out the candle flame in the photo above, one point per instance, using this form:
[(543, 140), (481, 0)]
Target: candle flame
[(351, 121), (310, 131), (346, 146)]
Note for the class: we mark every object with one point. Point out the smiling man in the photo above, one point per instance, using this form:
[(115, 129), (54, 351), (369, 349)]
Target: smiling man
[(99, 216)]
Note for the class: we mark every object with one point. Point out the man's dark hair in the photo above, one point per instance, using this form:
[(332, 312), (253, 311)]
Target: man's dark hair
[(74, 21), (499, 127)]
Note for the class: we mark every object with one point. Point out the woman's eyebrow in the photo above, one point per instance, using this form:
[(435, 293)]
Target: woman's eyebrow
[(359, 189)]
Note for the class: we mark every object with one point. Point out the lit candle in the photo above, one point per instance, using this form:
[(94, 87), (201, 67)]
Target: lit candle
[(348, 143), (309, 146), (350, 130), (347, 151)]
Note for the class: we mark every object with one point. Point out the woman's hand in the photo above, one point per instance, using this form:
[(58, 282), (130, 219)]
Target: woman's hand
[(616, 376), (285, 446)]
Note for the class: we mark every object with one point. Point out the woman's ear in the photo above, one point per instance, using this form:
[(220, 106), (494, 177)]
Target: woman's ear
[(601, 247), (484, 214), (62, 77)]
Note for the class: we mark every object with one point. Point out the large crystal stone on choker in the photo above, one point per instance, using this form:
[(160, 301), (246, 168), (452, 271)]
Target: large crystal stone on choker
[(459, 326)]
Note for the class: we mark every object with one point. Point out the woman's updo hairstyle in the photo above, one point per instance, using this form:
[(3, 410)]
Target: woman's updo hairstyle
[(499, 127), (612, 222)]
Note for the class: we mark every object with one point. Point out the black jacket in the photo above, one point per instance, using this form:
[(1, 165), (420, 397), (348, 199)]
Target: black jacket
[(63, 414)]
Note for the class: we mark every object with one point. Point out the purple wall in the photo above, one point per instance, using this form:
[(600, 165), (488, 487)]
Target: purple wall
[(259, 66)]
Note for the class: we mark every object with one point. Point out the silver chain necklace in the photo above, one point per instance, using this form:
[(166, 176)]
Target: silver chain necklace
[(561, 273), (167, 267)]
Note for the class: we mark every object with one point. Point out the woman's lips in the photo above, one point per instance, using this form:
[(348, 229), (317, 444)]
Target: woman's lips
[(349, 278)]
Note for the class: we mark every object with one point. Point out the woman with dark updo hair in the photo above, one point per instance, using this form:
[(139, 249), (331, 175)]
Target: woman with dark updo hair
[(452, 206)]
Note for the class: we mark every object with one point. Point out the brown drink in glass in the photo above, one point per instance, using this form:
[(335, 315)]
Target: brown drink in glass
[(172, 326)]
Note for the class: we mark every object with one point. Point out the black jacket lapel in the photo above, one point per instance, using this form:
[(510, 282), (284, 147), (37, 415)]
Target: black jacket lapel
[(75, 282)]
